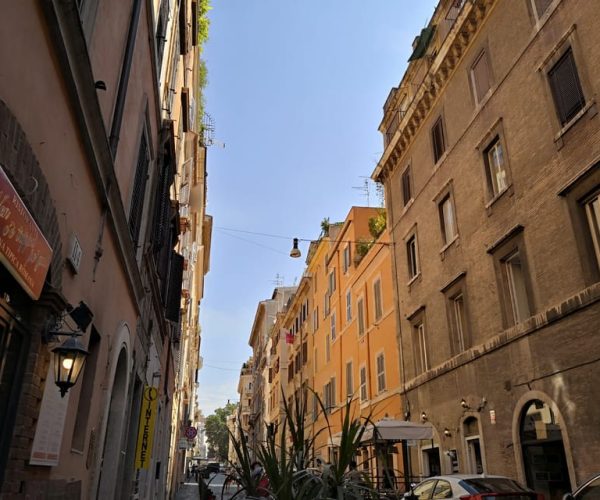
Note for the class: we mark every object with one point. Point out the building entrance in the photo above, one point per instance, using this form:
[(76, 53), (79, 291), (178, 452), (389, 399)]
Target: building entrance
[(544, 457)]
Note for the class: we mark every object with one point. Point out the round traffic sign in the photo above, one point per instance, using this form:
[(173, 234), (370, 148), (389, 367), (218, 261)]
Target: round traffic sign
[(190, 432)]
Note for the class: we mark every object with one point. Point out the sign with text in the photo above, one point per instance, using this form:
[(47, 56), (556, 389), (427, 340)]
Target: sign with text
[(143, 452), (45, 449), (23, 249)]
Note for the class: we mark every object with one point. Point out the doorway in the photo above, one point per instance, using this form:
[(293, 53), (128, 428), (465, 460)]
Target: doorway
[(544, 459)]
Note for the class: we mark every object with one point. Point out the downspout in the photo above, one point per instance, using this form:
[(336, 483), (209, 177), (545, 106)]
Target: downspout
[(115, 129)]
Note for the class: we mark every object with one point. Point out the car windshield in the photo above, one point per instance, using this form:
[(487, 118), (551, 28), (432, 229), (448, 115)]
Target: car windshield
[(491, 485)]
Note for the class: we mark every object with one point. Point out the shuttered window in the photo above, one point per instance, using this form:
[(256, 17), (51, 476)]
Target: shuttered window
[(566, 89), (304, 352), (480, 76), (349, 381), (173, 302), (161, 30), (380, 373), (406, 187), (183, 32), (139, 190), (185, 109), (437, 140)]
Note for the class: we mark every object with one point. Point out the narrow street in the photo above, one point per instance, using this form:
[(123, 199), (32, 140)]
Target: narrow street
[(190, 490)]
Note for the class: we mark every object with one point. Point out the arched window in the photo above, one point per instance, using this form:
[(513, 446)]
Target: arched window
[(544, 457)]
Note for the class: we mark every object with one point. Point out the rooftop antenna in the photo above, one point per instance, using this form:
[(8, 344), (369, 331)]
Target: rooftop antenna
[(278, 281), (380, 193), (364, 188), (208, 132)]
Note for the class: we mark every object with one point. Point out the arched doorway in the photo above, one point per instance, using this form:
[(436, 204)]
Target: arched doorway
[(114, 442), (544, 459)]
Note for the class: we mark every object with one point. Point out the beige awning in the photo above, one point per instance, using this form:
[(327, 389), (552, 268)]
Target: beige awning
[(397, 430)]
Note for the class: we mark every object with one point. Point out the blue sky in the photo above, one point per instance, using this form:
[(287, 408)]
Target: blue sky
[(296, 90)]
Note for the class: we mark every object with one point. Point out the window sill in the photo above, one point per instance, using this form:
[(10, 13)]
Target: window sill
[(589, 106), (441, 159), (414, 279), (447, 246), (406, 207), (489, 205)]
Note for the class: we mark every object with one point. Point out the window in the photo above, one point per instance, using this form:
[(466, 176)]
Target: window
[(161, 29), (420, 347), (447, 219), (304, 352), (592, 211), (326, 305), (480, 76), (346, 258), (348, 305), (378, 300), (515, 276), (315, 365), (361, 317), (315, 319), (333, 332), (380, 373), (329, 395), (349, 380), (437, 140), (456, 310), (406, 186), (327, 348), (566, 88), (364, 393), (139, 190), (513, 281), (412, 256), (495, 168), (331, 288)]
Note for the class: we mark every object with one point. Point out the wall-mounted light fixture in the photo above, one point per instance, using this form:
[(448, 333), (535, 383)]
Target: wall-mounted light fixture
[(423, 417), (464, 404), (70, 356), (447, 432)]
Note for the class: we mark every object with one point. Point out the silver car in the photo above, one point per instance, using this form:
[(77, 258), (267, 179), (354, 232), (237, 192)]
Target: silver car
[(471, 487), (589, 490)]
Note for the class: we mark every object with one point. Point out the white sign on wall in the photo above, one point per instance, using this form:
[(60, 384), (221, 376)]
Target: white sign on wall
[(50, 425)]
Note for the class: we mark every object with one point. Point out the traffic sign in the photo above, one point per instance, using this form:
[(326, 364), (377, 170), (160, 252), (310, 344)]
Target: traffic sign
[(190, 432)]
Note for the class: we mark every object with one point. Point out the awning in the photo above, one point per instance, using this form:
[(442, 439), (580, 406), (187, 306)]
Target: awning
[(389, 429)]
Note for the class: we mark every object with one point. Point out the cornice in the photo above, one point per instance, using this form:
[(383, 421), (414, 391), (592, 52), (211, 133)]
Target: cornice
[(442, 67)]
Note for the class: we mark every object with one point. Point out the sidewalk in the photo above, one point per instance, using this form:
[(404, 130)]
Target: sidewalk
[(188, 491), (191, 491)]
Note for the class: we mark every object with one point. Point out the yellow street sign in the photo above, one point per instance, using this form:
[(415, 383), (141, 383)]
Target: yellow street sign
[(143, 452)]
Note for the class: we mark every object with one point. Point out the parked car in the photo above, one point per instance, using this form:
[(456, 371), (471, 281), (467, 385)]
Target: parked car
[(589, 490), (471, 487), (213, 467)]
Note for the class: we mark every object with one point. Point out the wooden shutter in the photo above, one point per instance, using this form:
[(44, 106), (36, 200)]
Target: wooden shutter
[(406, 191), (139, 189), (481, 76), (566, 88), (185, 109), (183, 32), (437, 137), (173, 302), (304, 353), (194, 22)]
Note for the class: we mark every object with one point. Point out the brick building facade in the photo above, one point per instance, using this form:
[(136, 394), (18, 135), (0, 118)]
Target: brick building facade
[(492, 169)]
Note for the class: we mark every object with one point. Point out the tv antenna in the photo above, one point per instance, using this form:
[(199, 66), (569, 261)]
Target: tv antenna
[(365, 189), (208, 132), (278, 281)]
